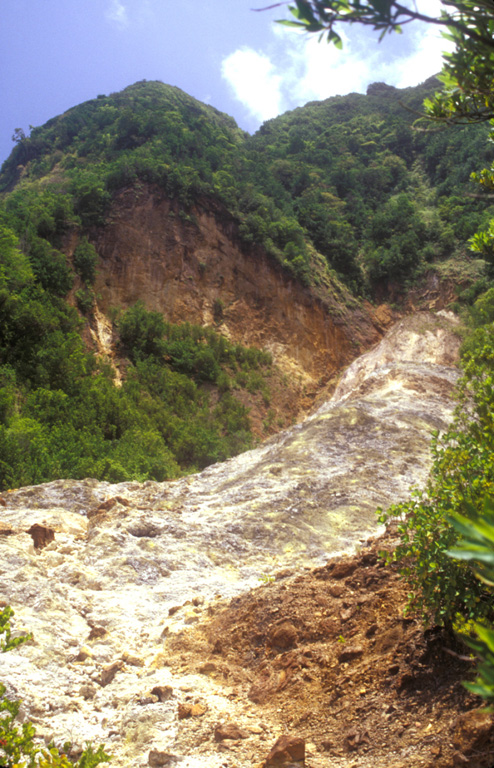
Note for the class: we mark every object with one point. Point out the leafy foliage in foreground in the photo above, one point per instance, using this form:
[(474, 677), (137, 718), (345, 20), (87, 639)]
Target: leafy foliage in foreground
[(18, 744), (462, 477), (476, 546)]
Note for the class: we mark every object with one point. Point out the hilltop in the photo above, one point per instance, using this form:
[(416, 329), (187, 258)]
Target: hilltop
[(173, 283)]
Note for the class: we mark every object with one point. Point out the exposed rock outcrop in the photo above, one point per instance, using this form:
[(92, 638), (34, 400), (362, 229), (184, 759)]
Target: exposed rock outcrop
[(195, 268), (132, 564)]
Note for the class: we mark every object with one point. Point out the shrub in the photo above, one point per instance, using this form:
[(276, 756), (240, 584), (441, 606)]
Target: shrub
[(85, 260), (85, 300), (141, 332), (18, 745), (477, 548), (462, 474), (91, 199), (7, 642), (50, 267), (218, 310)]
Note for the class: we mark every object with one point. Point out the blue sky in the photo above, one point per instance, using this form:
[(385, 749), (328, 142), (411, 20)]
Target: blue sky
[(55, 54)]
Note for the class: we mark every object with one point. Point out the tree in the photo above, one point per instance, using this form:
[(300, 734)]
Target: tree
[(321, 16), (467, 77), (477, 548), (85, 260), (18, 135)]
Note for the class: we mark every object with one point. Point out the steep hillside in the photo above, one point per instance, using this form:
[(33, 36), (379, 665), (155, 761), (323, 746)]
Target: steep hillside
[(134, 221), (196, 269), (381, 194), (350, 177), (119, 585)]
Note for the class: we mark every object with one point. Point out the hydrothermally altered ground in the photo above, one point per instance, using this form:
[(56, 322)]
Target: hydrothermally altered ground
[(147, 634)]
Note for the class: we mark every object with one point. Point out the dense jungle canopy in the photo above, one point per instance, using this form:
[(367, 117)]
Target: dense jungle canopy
[(346, 187)]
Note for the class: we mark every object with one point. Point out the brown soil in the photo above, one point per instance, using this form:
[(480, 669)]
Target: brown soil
[(329, 656), (186, 266)]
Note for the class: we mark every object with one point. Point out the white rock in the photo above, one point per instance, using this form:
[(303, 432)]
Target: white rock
[(303, 495)]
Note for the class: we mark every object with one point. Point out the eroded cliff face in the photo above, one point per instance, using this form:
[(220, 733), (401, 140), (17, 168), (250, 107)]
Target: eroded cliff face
[(105, 576), (194, 268)]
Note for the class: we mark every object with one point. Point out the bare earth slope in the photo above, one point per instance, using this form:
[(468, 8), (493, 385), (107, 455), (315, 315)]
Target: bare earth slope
[(126, 589), (197, 269), (329, 657)]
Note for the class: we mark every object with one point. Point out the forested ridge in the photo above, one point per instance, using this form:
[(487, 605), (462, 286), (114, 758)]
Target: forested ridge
[(357, 199), (349, 188)]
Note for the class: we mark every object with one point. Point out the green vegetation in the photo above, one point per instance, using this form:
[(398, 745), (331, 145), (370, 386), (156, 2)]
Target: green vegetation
[(61, 414), (450, 524), (345, 185), (466, 95), (379, 200), (477, 548), (461, 477), (458, 499), (18, 743), (85, 260), (348, 187), (7, 642), (340, 176)]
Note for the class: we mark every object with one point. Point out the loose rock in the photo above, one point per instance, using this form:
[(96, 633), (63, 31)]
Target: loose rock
[(163, 692), (350, 653), (229, 731), (41, 535), (343, 569), (157, 758), (286, 750), (187, 709), (284, 635), (109, 672)]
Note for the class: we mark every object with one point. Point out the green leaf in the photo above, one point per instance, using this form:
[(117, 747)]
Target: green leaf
[(289, 23)]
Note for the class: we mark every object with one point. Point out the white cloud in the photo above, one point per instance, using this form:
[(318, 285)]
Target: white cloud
[(429, 7), (318, 70), (425, 61), (297, 68), (252, 76), (117, 14), (429, 44)]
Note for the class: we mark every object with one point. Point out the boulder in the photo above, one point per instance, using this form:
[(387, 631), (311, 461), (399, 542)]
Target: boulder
[(229, 731), (285, 751), (284, 635)]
